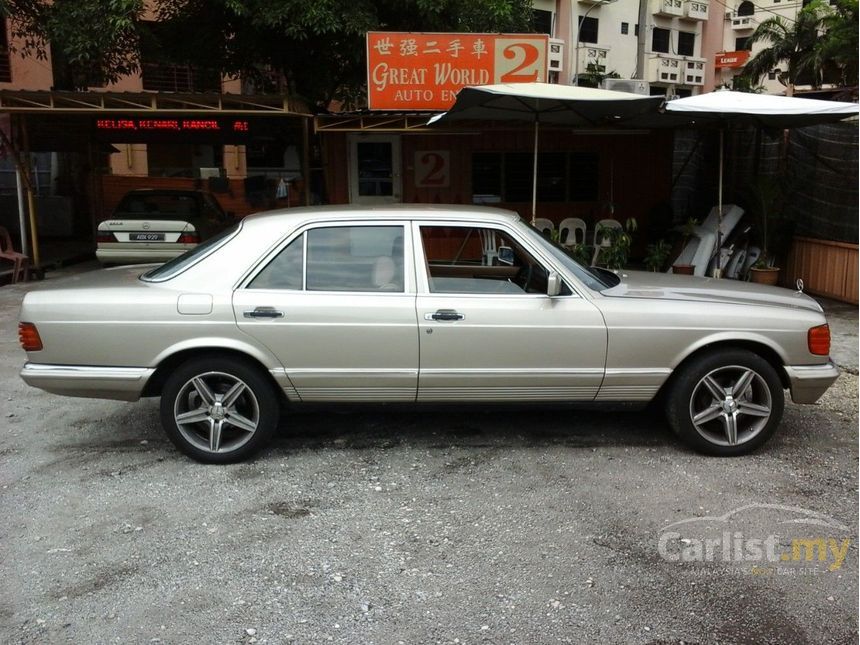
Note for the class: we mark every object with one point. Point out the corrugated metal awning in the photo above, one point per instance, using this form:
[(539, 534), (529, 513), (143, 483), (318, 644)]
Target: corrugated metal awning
[(104, 103)]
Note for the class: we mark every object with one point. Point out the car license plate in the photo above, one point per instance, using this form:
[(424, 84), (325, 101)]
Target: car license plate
[(146, 237)]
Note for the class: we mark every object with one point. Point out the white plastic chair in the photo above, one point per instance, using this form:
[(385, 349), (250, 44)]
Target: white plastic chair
[(571, 231), (544, 225), (601, 240)]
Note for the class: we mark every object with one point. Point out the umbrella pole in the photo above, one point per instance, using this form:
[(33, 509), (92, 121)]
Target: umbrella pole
[(534, 170), (718, 269)]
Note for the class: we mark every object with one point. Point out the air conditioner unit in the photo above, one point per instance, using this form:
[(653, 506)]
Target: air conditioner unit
[(556, 54), (631, 85)]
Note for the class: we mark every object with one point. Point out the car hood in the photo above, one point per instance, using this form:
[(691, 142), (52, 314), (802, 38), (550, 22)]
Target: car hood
[(667, 286)]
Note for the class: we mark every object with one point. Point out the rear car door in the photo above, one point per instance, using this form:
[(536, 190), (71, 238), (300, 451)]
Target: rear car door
[(336, 304), (489, 332)]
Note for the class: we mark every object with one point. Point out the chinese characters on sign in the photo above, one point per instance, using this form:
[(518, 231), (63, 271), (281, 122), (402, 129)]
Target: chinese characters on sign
[(416, 71)]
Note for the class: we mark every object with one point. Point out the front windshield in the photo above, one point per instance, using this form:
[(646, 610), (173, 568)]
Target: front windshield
[(180, 263), (593, 278)]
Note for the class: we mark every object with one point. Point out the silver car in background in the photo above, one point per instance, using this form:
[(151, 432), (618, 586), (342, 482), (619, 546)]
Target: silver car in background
[(151, 225), (418, 304)]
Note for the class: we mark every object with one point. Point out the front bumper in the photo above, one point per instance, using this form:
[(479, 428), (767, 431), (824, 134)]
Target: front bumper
[(809, 382), (121, 383)]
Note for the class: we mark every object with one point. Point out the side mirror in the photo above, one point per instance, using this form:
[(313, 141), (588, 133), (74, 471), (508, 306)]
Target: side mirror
[(553, 284), (506, 256)]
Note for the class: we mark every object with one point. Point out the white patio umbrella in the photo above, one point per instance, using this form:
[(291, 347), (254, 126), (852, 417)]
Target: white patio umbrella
[(724, 108), (545, 103)]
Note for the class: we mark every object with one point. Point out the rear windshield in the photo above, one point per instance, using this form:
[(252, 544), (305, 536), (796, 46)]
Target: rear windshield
[(178, 264), (161, 205)]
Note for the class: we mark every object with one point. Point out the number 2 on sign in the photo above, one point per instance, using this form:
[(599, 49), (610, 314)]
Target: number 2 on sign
[(524, 56)]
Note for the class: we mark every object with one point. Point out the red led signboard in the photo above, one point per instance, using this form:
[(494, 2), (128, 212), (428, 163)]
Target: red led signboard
[(170, 129)]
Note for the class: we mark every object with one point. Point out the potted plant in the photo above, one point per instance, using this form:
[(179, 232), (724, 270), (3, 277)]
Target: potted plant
[(614, 248), (657, 254), (687, 231), (765, 197)]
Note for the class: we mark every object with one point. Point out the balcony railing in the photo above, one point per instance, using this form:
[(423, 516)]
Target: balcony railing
[(740, 23), (592, 55), (669, 8), (665, 69), (179, 78), (694, 73), (696, 10)]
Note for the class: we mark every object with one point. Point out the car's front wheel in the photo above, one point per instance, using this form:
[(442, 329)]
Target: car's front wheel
[(726, 402), (219, 410)]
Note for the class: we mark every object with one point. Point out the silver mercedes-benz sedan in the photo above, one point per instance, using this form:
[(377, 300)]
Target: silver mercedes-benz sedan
[(418, 304)]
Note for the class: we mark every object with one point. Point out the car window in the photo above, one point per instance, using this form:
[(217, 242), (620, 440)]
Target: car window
[(472, 259), (593, 277), (157, 205), (354, 258), (178, 264), (286, 270), (338, 258)]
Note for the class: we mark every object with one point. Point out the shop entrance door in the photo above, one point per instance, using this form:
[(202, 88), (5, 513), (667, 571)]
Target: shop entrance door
[(374, 169)]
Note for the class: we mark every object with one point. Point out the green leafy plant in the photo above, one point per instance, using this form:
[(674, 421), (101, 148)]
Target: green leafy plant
[(657, 254), (581, 252), (614, 250), (765, 201)]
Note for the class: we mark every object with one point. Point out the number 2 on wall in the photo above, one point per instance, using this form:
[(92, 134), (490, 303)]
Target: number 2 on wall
[(432, 168)]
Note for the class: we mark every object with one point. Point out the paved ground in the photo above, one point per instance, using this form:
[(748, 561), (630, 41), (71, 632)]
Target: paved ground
[(382, 526)]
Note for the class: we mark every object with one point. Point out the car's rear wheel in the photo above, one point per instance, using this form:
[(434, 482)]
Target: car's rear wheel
[(726, 402), (219, 410)]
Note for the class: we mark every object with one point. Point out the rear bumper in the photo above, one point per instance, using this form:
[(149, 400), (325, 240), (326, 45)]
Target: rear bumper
[(121, 383), (809, 382)]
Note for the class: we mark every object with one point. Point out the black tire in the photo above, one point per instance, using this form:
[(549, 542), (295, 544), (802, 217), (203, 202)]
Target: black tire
[(750, 387), (246, 422)]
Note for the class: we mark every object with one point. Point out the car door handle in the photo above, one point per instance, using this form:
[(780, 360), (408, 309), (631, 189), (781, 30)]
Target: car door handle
[(263, 312), (445, 314)]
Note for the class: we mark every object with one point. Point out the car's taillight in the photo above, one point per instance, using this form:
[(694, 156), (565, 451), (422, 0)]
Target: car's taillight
[(189, 238), (818, 339), (29, 337), (104, 236)]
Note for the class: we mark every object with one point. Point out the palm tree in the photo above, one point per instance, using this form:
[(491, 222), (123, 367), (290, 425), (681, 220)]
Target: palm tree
[(840, 46), (797, 43)]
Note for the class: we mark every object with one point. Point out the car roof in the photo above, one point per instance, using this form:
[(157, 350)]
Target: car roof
[(441, 212)]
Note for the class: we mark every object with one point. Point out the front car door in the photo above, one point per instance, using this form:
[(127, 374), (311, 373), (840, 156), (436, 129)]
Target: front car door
[(488, 331), (336, 304)]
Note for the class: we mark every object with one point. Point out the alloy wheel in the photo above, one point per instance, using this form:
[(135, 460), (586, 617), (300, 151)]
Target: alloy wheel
[(216, 412), (730, 405)]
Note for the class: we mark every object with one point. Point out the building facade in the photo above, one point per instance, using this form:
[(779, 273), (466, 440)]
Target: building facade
[(606, 38)]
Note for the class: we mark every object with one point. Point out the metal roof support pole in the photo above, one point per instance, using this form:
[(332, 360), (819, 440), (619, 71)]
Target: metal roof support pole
[(718, 269), (306, 161), (31, 200), (22, 212), (535, 169)]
